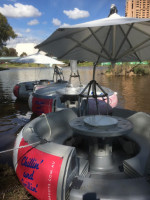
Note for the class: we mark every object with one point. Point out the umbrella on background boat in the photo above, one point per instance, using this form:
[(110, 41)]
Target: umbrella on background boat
[(39, 59), (22, 90), (42, 59), (113, 39)]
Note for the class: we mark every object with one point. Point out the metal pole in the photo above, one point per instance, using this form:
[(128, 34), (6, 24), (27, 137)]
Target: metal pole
[(94, 70)]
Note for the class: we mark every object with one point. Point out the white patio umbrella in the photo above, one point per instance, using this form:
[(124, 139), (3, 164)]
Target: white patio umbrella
[(39, 59), (113, 39), (42, 59)]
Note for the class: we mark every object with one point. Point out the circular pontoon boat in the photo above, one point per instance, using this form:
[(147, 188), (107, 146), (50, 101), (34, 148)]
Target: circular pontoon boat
[(53, 98), (54, 161), (22, 90)]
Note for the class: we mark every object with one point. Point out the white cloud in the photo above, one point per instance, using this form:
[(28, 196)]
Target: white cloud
[(19, 10), (19, 34), (63, 25), (76, 13), (28, 30), (56, 22), (27, 36), (13, 42), (33, 22), (45, 22)]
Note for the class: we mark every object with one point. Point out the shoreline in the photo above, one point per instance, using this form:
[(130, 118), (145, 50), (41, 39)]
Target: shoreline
[(117, 70)]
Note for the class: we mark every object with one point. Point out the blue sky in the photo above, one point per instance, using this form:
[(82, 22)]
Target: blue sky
[(35, 20)]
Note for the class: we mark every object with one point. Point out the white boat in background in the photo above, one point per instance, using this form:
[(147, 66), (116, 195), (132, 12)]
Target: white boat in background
[(61, 96), (22, 90)]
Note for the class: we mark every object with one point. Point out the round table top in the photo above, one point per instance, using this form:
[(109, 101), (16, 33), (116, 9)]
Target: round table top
[(123, 127), (70, 90)]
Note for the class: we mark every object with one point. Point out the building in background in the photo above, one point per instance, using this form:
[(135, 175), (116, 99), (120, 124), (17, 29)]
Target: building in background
[(138, 8), (27, 48)]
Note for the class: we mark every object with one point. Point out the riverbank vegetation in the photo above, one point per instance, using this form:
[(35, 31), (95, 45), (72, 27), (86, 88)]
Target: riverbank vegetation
[(125, 69), (19, 65), (10, 187)]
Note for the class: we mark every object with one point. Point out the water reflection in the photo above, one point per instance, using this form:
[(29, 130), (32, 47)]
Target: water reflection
[(12, 119), (133, 93), (9, 78)]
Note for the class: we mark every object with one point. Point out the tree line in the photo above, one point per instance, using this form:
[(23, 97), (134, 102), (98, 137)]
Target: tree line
[(6, 33)]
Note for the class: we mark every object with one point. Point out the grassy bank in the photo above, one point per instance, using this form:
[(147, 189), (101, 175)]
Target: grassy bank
[(87, 64), (124, 69), (22, 65), (19, 65), (129, 70), (10, 187)]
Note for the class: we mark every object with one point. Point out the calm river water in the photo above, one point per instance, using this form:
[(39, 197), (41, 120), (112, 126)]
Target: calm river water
[(133, 93)]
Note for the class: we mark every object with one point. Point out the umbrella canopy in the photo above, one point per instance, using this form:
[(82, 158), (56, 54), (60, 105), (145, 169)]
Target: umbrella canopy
[(111, 39), (38, 59)]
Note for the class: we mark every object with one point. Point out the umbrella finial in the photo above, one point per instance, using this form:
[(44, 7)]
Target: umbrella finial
[(113, 9)]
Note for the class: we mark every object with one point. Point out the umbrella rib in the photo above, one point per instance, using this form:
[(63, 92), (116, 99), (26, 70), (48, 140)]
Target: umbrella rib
[(83, 46), (125, 38), (103, 48), (60, 57), (141, 31), (129, 44), (72, 47), (113, 42), (87, 48), (104, 42), (142, 48), (133, 49), (48, 42), (80, 42)]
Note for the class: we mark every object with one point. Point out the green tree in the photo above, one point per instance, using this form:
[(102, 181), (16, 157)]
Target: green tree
[(8, 52), (12, 52), (23, 54), (6, 31), (4, 51)]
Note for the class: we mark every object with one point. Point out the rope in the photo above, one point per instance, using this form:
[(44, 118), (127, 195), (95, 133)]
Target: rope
[(43, 114), (8, 150)]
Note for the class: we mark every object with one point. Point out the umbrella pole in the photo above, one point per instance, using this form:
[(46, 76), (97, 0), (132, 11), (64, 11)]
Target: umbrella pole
[(75, 75), (92, 84), (94, 70)]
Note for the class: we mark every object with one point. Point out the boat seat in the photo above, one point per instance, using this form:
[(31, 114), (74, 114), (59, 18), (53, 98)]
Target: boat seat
[(89, 107), (141, 123), (59, 124), (122, 112), (29, 86), (54, 126), (58, 105), (88, 188), (139, 164)]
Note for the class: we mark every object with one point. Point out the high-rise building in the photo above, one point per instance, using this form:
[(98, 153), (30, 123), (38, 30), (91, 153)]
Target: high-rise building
[(138, 8)]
